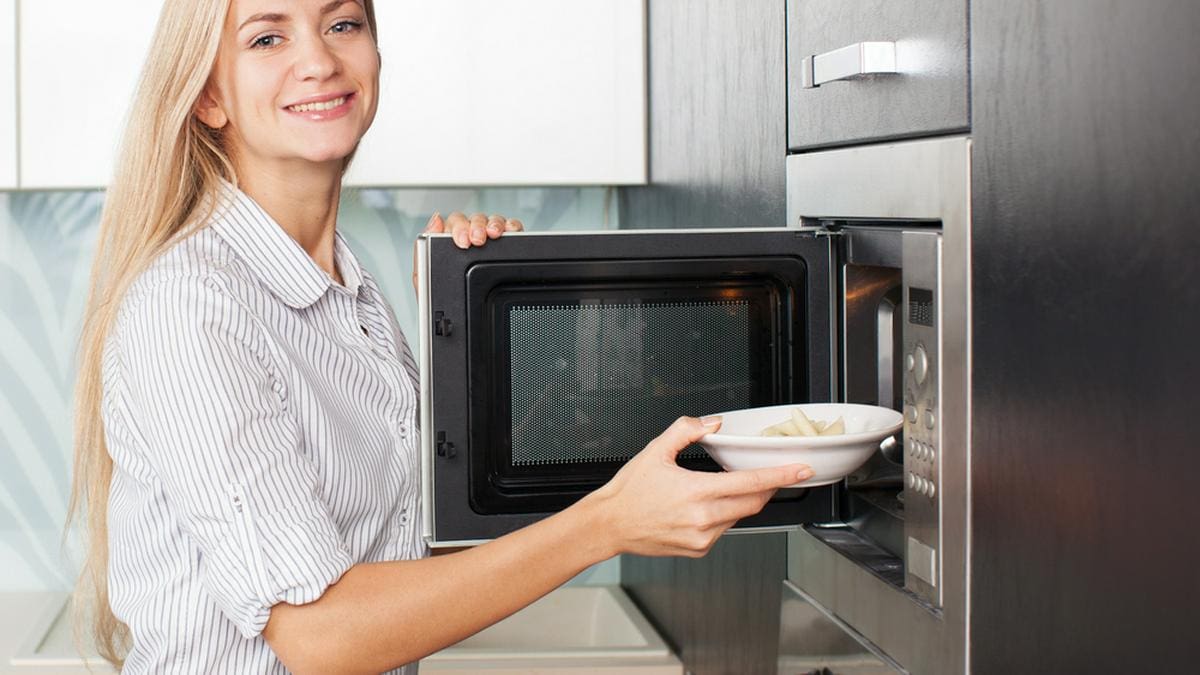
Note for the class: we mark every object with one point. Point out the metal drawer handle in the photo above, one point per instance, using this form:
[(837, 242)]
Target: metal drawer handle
[(857, 59)]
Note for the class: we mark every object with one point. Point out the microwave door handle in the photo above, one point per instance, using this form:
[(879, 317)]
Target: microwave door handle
[(884, 318)]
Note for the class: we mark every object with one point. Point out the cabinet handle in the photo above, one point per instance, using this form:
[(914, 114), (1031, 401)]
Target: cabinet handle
[(861, 58)]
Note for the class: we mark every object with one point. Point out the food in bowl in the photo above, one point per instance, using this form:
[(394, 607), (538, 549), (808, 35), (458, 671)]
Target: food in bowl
[(739, 443), (799, 425)]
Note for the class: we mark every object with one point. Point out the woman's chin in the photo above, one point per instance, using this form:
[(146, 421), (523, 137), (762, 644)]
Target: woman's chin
[(336, 153)]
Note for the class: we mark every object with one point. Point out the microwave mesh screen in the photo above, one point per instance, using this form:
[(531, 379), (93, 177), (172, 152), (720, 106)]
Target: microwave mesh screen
[(596, 382)]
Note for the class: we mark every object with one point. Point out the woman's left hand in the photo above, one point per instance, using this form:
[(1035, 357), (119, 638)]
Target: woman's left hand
[(475, 230)]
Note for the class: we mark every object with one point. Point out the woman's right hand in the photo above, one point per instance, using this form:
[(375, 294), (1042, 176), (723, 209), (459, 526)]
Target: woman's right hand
[(655, 507)]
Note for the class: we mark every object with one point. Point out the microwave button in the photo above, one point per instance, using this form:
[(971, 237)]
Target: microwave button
[(911, 413), (921, 367), (930, 419)]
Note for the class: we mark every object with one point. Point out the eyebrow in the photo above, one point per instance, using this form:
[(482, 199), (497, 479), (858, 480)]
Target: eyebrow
[(276, 17)]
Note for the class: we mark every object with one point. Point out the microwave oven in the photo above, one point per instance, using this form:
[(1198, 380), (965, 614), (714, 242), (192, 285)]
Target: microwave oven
[(549, 359)]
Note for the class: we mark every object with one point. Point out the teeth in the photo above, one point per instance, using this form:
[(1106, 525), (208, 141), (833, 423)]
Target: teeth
[(323, 105)]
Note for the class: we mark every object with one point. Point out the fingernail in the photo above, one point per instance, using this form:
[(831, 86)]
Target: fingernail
[(493, 227), (804, 474), (460, 239), (432, 219), (711, 421)]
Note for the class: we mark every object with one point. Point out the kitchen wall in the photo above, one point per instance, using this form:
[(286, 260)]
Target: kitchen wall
[(46, 245)]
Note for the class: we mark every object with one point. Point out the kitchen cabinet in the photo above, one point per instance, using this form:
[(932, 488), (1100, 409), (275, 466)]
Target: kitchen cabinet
[(8, 94), (1086, 160), (526, 92), (927, 94), (79, 63)]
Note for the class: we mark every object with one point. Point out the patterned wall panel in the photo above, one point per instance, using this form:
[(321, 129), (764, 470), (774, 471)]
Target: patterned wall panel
[(46, 246)]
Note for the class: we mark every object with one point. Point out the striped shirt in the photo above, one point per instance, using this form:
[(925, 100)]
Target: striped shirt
[(262, 424)]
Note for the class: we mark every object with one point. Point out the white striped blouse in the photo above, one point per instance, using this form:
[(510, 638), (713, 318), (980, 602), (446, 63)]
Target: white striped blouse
[(262, 424)]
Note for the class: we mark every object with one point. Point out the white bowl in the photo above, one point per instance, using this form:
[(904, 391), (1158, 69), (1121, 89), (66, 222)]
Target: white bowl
[(738, 445)]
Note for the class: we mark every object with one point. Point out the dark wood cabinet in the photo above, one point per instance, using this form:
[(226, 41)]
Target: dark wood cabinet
[(927, 95), (1086, 301)]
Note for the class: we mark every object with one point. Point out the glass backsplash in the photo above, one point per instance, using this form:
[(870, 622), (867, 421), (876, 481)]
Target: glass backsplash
[(46, 245)]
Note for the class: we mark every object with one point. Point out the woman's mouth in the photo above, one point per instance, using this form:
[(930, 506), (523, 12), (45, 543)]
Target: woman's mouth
[(326, 109), (322, 105)]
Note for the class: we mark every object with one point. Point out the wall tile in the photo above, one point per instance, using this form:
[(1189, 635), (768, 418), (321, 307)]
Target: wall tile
[(46, 245)]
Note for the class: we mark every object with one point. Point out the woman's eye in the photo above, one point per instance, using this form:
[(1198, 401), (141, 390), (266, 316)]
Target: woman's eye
[(345, 27), (266, 41)]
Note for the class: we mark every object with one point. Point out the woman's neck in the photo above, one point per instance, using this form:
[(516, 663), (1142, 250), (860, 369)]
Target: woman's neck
[(304, 201)]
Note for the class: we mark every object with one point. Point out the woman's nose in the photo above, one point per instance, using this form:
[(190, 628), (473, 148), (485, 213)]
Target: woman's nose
[(315, 61)]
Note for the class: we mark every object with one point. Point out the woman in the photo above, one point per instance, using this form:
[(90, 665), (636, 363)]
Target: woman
[(245, 450)]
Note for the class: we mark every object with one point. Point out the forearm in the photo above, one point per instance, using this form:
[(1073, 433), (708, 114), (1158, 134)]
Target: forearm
[(382, 615)]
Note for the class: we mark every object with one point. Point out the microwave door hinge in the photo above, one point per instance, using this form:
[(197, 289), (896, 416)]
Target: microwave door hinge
[(445, 448), (821, 231), (441, 325)]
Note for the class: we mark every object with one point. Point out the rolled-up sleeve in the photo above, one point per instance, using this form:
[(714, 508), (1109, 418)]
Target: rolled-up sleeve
[(209, 408)]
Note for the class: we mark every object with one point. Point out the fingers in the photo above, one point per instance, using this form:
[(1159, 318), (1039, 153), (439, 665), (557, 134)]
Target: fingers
[(478, 232), (752, 481), (475, 230), (495, 225), (684, 432), (435, 224)]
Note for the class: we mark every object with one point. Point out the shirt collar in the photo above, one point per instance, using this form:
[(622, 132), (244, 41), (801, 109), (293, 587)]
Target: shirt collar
[(278, 260)]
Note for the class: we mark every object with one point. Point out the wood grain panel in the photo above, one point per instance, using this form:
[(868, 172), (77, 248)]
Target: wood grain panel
[(927, 95), (1087, 312), (720, 613), (718, 116)]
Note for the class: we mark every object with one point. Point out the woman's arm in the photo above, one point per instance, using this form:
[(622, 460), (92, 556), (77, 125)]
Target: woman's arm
[(379, 616)]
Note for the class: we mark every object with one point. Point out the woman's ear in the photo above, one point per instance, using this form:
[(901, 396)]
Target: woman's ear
[(210, 112)]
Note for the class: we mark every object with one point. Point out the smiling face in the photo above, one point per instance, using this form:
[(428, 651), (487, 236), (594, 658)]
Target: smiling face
[(295, 81)]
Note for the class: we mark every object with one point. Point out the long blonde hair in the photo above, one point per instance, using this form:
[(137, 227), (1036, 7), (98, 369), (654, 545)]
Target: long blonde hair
[(169, 162)]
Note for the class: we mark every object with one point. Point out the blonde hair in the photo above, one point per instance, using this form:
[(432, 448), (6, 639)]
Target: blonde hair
[(169, 163)]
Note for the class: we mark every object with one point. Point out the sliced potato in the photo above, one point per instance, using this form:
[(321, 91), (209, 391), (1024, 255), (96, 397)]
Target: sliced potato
[(838, 427), (801, 425), (790, 428), (802, 422)]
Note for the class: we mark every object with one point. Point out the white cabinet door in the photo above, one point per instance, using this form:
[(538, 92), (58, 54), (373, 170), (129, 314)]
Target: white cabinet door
[(8, 94), (475, 92), (79, 64), (511, 92)]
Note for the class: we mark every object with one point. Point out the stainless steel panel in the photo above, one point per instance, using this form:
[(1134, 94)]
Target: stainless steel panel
[(914, 181), (928, 94), (812, 640), (922, 401)]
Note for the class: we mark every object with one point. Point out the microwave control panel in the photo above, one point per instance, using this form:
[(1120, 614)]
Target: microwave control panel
[(922, 389)]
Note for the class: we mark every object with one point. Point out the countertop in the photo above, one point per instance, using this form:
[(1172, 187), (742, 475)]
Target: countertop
[(521, 645), (22, 616)]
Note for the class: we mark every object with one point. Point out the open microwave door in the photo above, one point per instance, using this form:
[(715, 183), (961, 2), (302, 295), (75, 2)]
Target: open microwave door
[(550, 359)]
